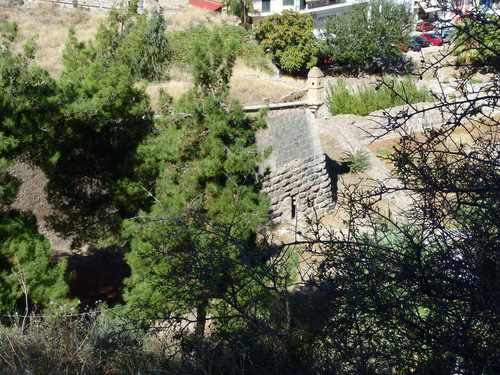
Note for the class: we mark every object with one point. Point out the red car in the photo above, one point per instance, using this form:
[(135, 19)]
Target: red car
[(325, 60), (425, 26), (433, 39)]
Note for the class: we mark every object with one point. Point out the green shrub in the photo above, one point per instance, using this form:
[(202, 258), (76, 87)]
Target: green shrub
[(28, 273), (181, 43), (8, 30), (358, 160), (369, 98)]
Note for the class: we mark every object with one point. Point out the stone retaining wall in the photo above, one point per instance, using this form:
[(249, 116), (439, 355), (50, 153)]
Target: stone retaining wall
[(92, 5), (299, 185), (89, 4), (299, 190)]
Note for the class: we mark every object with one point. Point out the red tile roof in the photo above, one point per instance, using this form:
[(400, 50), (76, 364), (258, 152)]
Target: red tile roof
[(207, 4)]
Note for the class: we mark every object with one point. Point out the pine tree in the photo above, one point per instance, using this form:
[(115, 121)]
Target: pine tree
[(28, 273), (152, 60), (196, 242), (82, 130)]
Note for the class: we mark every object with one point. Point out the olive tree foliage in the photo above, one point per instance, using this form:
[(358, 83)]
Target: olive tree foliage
[(288, 40), (364, 37), (414, 289)]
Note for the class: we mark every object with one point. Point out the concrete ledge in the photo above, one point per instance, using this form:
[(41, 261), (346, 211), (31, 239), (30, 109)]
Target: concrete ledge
[(257, 108)]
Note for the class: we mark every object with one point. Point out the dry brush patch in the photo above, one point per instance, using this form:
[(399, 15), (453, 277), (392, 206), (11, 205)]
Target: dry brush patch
[(51, 26), (191, 16)]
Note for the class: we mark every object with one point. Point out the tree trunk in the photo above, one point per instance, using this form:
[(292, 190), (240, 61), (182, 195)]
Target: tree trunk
[(201, 318)]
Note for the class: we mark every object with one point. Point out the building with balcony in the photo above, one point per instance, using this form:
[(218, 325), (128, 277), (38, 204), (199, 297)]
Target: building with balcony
[(319, 9)]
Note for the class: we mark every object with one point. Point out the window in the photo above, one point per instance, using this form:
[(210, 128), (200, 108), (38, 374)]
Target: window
[(288, 2), (266, 6)]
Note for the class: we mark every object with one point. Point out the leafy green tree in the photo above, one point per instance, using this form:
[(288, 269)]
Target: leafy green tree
[(288, 40), (367, 33)]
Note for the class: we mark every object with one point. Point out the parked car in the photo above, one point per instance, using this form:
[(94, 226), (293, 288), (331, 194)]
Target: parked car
[(422, 42), (444, 35), (409, 45), (433, 39), (424, 26), (414, 46)]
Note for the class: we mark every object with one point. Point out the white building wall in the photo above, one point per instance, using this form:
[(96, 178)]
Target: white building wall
[(317, 8)]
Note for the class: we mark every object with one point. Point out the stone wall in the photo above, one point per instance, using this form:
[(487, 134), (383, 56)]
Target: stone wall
[(299, 185), (92, 5), (103, 5)]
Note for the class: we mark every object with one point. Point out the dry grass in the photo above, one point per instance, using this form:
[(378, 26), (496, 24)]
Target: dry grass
[(251, 90), (255, 87), (180, 82), (190, 16), (51, 24)]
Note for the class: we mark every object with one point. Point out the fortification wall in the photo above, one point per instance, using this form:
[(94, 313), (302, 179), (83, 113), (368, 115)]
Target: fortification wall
[(299, 185)]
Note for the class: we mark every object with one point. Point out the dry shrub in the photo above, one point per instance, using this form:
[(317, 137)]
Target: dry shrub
[(87, 344), (191, 16)]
